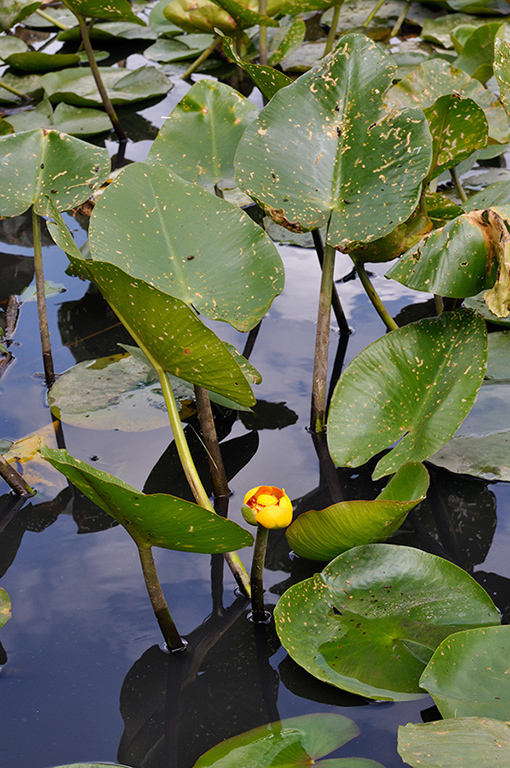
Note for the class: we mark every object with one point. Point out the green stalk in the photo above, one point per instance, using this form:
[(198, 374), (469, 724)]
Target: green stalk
[(208, 429), (333, 28), (257, 574), (398, 24), (12, 90), (84, 32), (458, 186), (320, 364), (262, 34), (158, 602), (200, 59), (374, 297), (53, 21), (49, 372), (372, 13)]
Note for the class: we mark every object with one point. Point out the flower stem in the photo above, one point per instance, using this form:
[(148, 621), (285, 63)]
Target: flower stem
[(257, 574), (158, 602), (398, 24), (49, 373), (208, 429), (374, 297), (320, 365)]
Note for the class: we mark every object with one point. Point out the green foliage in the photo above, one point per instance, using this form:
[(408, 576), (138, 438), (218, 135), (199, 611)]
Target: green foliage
[(77, 87), (5, 607), (324, 534), (370, 621), (152, 520), (115, 10), (14, 11)]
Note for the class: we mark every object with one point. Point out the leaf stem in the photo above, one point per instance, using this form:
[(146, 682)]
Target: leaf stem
[(374, 297), (343, 325), (200, 59), (373, 13), (13, 478), (55, 22), (458, 186), (333, 28), (208, 429), (158, 602), (320, 364), (257, 574), (262, 34), (398, 24), (49, 372), (84, 32), (12, 90)]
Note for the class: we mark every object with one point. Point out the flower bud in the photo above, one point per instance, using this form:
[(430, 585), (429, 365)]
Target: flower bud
[(267, 506)]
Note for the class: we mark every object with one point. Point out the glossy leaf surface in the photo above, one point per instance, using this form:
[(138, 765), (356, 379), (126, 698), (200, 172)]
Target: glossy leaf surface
[(369, 622), (244, 15), (5, 607), (268, 80), (199, 139), (412, 387), (38, 61), (201, 16), (485, 456), (188, 243), (41, 163), (465, 742), (468, 674), (436, 78), (76, 121), (78, 87), (457, 260), (498, 359), (478, 304), (114, 10), (288, 743), (477, 55), (324, 534), (158, 519), (458, 127), (327, 146)]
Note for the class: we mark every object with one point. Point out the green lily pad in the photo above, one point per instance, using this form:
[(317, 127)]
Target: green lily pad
[(38, 61), (440, 209), (40, 164), (414, 387), (435, 78), (465, 742), (477, 303), (438, 29), (14, 11), (76, 121), (199, 139), (458, 127), (109, 31), (188, 243), (498, 357), (116, 392), (181, 48), (267, 79), (5, 607), (477, 54), (50, 289), (78, 87), (288, 743), (484, 456), (370, 621), (159, 23), (10, 44), (114, 10), (205, 16), (468, 675), (324, 534), (457, 260), (325, 146), (5, 127), (30, 85), (152, 520)]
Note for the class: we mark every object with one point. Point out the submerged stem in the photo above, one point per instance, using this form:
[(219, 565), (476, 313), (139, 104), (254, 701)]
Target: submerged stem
[(49, 373), (158, 602), (320, 364), (374, 297), (333, 28), (257, 573), (13, 478)]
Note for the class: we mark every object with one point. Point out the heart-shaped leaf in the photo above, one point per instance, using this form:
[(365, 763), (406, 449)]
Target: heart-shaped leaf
[(152, 520), (327, 147), (457, 260), (39, 164), (164, 327), (188, 243), (79, 88), (114, 10), (324, 534), (288, 743), (469, 674), (458, 127), (466, 742), (435, 78), (199, 139), (412, 387), (5, 607), (371, 620)]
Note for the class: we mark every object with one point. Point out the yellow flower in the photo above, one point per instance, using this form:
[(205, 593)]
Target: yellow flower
[(267, 506)]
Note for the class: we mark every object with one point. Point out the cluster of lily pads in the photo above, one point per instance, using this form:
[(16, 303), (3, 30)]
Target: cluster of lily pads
[(354, 154)]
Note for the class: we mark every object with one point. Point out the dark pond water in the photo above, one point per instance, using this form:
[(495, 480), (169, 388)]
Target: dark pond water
[(86, 679)]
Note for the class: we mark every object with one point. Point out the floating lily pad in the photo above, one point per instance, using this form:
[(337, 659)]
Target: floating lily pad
[(14, 11), (371, 620), (324, 534), (468, 674), (38, 61), (77, 87), (30, 85), (110, 31), (158, 520), (76, 121), (437, 30), (160, 23), (485, 456), (498, 357), (477, 303), (181, 48), (10, 44), (465, 742), (412, 387), (477, 54), (50, 289), (288, 743), (5, 607)]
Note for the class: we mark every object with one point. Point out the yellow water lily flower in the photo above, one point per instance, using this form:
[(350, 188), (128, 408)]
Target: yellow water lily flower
[(267, 506)]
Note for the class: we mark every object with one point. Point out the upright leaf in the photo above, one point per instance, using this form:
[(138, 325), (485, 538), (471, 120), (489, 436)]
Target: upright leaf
[(412, 387), (5, 607), (267, 79), (326, 146)]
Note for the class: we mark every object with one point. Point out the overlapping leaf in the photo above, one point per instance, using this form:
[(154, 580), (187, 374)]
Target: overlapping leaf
[(326, 146), (14, 11), (79, 88), (114, 10)]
